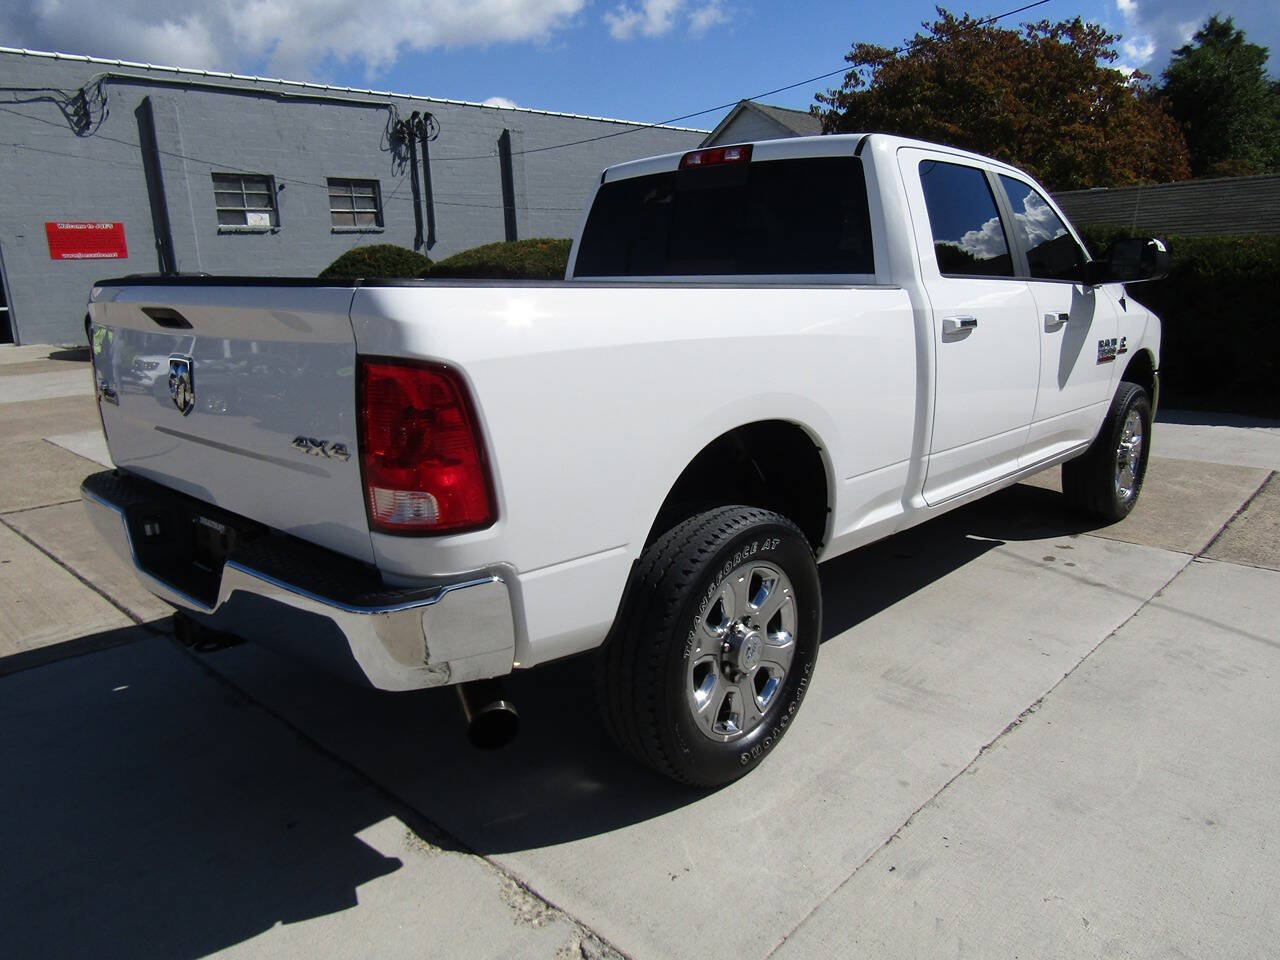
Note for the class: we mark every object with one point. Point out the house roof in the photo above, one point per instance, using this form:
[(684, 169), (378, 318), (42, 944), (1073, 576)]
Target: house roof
[(1226, 205), (797, 123), (326, 87), (800, 122)]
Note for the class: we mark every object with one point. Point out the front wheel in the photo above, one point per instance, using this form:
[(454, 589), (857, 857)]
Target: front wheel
[(715, 646), (1106, 480)]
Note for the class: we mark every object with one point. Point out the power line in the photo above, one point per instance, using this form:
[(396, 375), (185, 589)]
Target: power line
[(231, 167), (724, 106)]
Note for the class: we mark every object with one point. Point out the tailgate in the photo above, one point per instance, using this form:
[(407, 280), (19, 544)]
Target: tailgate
[(240, 396)]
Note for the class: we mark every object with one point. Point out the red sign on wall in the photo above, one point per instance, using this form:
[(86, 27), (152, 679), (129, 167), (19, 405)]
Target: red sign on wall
[(76, 240)]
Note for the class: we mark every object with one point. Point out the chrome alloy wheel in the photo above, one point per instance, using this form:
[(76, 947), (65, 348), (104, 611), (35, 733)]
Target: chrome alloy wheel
[(743, 646), (1129, 457)]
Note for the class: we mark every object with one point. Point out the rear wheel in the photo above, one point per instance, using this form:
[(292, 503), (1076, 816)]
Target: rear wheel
[(1105, 482), (715, 646)]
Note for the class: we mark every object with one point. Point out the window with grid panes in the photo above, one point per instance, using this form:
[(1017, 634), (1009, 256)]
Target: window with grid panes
[(245, 200), (354, 203)]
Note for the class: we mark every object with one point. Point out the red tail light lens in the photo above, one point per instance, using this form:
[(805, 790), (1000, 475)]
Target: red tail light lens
[(715, 156), (420, 449)]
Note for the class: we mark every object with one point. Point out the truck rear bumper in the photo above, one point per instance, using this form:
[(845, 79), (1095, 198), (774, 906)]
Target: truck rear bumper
[(303, 599)]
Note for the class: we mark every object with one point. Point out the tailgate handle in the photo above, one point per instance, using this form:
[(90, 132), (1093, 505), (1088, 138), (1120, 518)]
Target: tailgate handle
[(165, 317)]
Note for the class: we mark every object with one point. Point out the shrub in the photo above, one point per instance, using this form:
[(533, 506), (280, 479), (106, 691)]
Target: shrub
[(378, 260), (543, 258), (1220, 307)]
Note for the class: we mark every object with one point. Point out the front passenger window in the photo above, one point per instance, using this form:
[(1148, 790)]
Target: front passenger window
[(1052, 254)]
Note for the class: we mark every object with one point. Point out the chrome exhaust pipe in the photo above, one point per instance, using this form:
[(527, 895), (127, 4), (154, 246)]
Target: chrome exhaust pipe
[(492, 720)]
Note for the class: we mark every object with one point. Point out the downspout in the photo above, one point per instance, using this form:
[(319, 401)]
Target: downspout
[(152, 171)]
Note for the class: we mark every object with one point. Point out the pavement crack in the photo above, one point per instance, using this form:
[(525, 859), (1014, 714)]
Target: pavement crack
[(58, 561), (73, 452), (1232, 519), (38, 506), (968, 767)]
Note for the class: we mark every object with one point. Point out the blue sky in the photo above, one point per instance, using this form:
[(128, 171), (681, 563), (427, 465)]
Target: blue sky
[(646, 60)]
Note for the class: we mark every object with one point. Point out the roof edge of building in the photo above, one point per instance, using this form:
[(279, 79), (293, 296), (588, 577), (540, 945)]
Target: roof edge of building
[(1198, 181), (334, 88)]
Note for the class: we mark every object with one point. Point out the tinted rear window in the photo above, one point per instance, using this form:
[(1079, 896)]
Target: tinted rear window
[(803, 216)]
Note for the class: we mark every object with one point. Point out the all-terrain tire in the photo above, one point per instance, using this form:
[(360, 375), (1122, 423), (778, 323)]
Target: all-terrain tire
[(1106, 480), (660, 645)]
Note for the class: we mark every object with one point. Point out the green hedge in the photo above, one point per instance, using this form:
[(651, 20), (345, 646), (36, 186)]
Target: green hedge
[(543, 258), (378, 260), (1220, 307)]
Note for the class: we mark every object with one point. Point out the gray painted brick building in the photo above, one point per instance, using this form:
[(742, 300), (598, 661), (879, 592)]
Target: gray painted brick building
[(226, 174)]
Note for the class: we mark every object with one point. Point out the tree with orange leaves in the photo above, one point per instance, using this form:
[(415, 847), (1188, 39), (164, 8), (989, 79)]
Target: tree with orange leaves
[(1043, 97)]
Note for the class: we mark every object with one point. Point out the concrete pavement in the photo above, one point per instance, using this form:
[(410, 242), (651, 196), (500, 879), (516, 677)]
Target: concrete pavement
[(1026, 737)]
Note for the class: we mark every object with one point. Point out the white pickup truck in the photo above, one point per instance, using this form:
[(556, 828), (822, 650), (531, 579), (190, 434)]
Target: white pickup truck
[(762, 356)]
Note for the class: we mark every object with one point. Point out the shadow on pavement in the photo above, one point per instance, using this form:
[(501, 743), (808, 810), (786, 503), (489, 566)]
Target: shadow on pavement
[(149, 811), (860, 584), (1209, 418), (562, 779), (76, 354)]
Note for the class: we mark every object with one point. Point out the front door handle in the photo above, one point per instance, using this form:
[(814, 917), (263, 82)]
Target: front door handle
[(1052, 321), (958, 324)]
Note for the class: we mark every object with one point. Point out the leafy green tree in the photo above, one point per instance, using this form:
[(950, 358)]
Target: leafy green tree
[(1040, 96), (1216, 87)]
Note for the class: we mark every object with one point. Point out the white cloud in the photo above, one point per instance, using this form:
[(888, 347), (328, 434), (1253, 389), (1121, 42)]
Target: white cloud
[(1138, 49), (651, 19), (1038, 221), (707, 16), (654, 18), (289, 38), (503, 102), (986, 243), (1158, 27)]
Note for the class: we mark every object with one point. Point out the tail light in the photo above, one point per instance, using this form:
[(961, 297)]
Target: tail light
[(715, 156), (420, 450)]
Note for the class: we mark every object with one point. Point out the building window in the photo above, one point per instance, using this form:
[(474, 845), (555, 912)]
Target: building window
[(354, 203), (245, 200)]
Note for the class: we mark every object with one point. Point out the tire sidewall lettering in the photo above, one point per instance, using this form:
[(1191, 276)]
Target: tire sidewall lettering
[(758, 750)]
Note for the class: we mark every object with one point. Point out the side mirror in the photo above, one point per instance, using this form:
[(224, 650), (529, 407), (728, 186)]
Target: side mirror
[(1130, 260)]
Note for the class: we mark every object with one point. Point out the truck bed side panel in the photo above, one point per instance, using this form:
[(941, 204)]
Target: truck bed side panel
[(594, 397)]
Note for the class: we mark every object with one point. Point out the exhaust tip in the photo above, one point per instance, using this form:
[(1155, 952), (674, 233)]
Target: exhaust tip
[(494, 726), (492, 719)]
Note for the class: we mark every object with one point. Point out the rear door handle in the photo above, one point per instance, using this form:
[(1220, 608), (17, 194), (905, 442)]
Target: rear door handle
[(1054, 320), (958, 324)]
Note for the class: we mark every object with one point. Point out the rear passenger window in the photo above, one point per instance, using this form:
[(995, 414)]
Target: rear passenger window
[(1052, 254), (968, 238)]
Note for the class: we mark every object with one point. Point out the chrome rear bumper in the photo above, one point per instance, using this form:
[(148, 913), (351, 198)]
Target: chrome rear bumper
[(326, 609)]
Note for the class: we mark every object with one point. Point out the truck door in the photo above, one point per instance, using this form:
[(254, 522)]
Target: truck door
[(1077, 326), (985, 339)]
